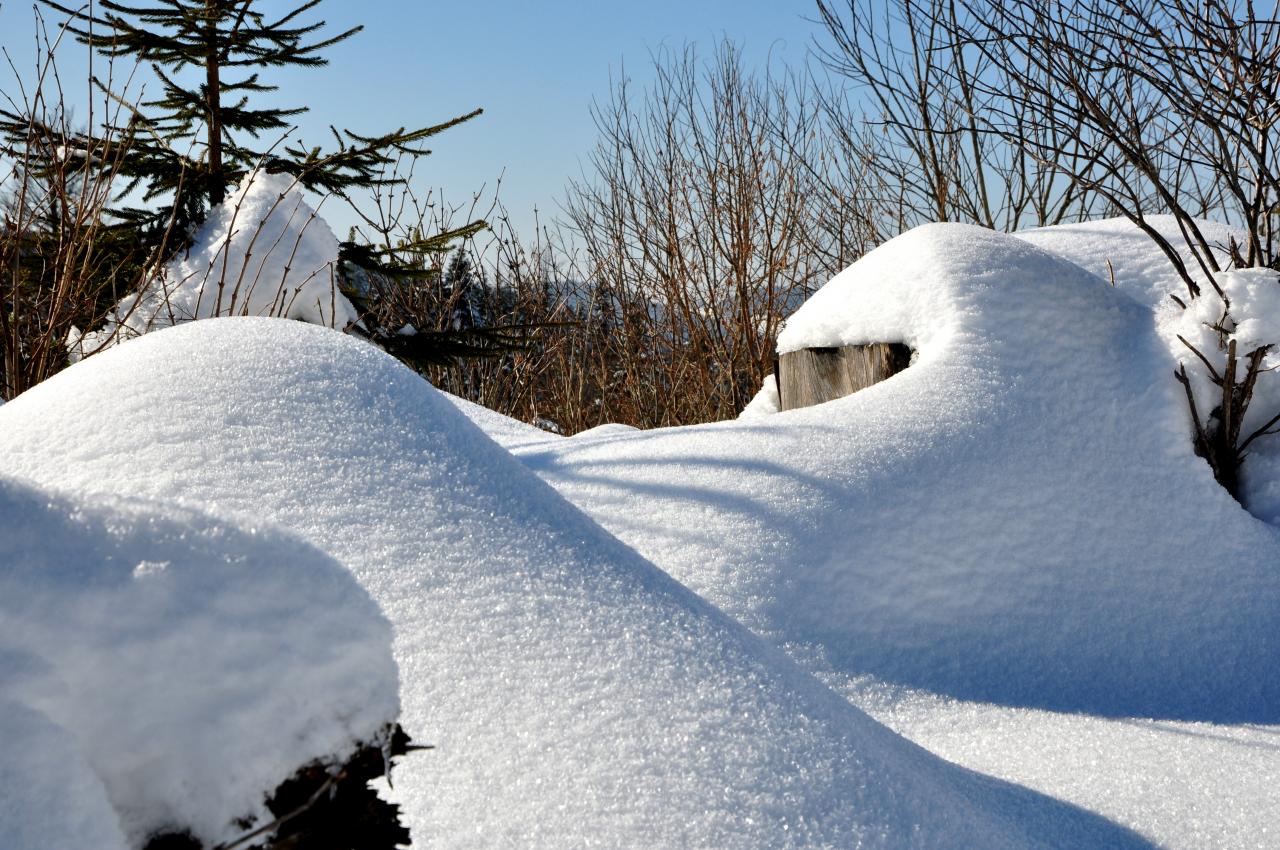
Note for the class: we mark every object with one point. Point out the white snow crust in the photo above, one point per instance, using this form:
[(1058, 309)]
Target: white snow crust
[(1017, 518), (1119, 253), (1012, 537), (607, 429), (1007, 553), (263, 252), (577, 695), (1181, 784), (763, 403), (177, 665)]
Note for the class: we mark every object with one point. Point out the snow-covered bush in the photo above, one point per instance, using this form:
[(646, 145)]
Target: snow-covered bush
[(263, 252)]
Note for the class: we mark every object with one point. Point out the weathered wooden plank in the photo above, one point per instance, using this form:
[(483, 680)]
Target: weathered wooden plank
[(814, 375)]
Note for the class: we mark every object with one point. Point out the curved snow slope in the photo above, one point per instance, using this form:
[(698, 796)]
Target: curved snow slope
[(1017, 518), (577, 695), (196, 664)]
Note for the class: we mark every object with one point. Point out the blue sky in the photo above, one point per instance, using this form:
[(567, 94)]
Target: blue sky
[(533, 66)]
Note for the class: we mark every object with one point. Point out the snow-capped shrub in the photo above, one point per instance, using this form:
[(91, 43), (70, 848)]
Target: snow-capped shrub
[(263, 252)]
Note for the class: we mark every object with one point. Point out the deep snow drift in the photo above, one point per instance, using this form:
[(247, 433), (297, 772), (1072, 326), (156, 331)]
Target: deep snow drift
[(578, 696), (1017, 518), (179, 666), (1033, 469), (1012, 530), (263, 252), (1122, 255)]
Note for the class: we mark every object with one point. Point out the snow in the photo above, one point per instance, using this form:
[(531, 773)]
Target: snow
[(173, 664), (964, 527), (1118, 252), (763, 403), (263, 252), (1201, 785), (49, 796), (1117, 249), (578, 696), (1015, 527), (702, 636), (511, 431), (607, 429)]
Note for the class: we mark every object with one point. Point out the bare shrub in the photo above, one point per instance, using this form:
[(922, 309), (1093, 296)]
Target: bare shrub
[(497, 312), (917, 119), (62, 264), (709, 210), (711, 207)]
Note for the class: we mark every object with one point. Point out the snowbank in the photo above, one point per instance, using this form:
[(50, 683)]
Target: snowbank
[(606, 429), (1017, 518), (191, 663), (577, 695), (263, 252), (512, 431), (1119, 253), (1034, 466), (1186, 786)]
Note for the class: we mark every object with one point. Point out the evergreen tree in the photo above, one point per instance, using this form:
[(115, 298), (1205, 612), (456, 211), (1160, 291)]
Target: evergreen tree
[(429, 316), (205, 131)]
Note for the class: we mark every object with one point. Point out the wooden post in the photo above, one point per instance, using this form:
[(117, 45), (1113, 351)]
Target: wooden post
[(814, 375)]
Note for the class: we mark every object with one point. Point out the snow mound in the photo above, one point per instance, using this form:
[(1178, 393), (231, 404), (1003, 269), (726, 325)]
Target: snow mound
[(263, 252), (49, 796), (1116, 249), (577, 695), (195, 664), (607, 429), (513, 431), (1017, 518)]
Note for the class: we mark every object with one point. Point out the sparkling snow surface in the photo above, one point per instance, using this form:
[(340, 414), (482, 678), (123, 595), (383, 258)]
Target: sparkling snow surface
[(1017, 518), (1125, 257), (191, 664), (763, 403), (1008, 552), (577, 695)]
